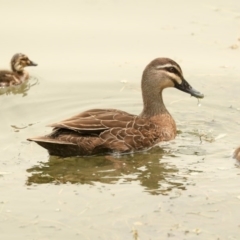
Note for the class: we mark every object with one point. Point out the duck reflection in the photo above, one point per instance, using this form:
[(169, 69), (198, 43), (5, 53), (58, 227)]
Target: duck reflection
[(154, 176), (21, 89)]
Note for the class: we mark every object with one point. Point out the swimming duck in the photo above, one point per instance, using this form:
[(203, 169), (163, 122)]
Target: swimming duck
[(18, 75), (236, 154), (104, 131)]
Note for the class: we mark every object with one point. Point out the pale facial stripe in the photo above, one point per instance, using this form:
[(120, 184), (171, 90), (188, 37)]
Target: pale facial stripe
[(18, 66), (169, 65), (172, 75)]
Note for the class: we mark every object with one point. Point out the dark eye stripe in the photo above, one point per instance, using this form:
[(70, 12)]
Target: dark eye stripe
[(173, 70)]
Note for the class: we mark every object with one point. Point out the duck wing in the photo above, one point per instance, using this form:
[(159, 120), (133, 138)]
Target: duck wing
[(99, 131), (96, 120)]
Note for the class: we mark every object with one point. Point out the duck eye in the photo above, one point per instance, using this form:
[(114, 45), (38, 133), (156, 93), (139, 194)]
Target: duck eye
[(172, 69)]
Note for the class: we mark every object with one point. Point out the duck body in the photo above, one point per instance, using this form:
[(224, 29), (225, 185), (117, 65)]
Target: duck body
[(100, 131), (18, 74), (109, 131)]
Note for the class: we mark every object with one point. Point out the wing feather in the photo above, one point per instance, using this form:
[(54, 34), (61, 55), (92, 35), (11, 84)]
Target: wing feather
[(95, 120)]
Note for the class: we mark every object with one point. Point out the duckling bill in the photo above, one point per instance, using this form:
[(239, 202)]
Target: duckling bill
[(106, 131), (18, 74)]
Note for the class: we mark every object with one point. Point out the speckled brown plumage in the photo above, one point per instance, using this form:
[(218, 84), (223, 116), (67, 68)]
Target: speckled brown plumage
[(18, 75), (99, 131)]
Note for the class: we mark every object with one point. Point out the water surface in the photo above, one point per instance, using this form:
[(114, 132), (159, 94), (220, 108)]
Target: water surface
[(91, 54)]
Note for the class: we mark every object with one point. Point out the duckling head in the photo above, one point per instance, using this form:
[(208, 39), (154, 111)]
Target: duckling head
[(164, 72), (20, 61)]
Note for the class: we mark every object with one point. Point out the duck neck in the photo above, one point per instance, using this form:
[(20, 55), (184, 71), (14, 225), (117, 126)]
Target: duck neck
[(153, 104)]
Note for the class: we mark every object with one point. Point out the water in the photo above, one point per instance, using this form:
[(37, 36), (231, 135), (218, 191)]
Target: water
[(91, 55)]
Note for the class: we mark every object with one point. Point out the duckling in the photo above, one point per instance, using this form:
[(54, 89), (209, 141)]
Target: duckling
[(104, 131), (18, 75), (236, 154)]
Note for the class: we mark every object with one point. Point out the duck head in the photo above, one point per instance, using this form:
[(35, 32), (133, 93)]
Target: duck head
[(20, 61), (164, 72)]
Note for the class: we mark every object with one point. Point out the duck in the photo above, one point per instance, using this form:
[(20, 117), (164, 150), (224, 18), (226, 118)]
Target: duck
[(236, 154), (18, 74), (113, 131)]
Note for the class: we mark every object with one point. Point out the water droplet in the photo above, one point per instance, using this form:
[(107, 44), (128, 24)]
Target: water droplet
[(199, 104)]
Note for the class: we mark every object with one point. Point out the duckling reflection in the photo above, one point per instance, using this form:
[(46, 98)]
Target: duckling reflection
[(154, 176), (21, 89)]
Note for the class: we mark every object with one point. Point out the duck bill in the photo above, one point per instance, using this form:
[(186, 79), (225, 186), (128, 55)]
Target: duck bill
[(186, 87), (31, 63)]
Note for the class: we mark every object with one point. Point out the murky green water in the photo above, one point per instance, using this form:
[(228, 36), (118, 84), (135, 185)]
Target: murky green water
[(91, 54)]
